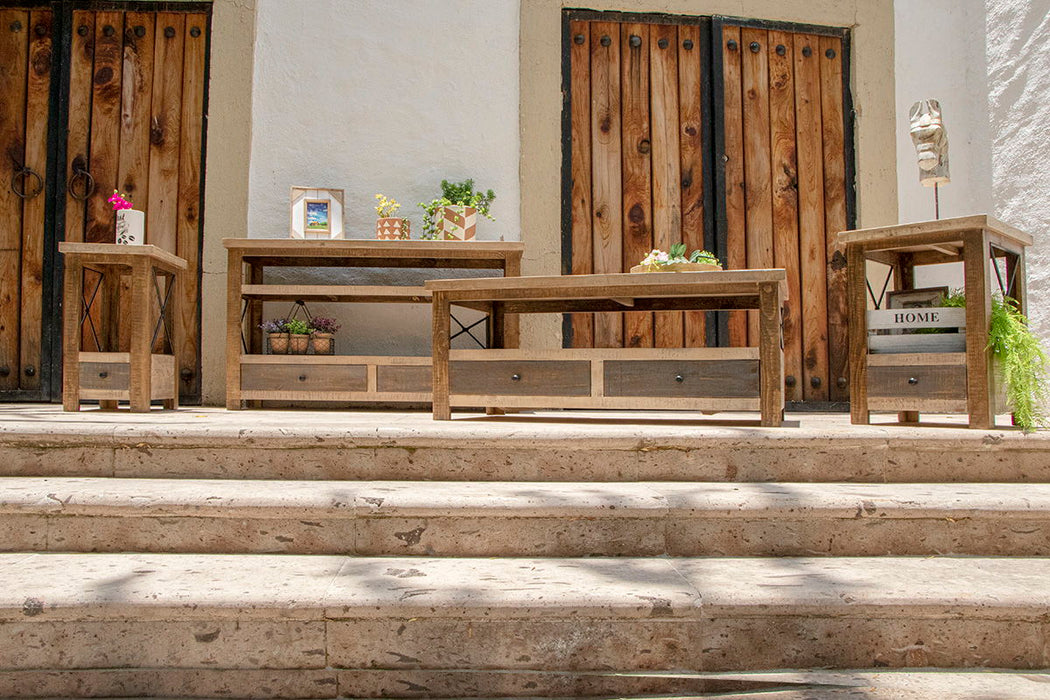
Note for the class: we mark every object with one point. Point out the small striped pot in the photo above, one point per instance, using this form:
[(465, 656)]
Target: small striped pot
[(456, 223)]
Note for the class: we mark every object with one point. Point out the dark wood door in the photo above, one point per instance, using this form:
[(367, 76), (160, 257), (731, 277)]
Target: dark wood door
[(132, 105), (724, 134)]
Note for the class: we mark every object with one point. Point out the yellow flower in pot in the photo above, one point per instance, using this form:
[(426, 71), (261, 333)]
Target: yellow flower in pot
[(388, 226)]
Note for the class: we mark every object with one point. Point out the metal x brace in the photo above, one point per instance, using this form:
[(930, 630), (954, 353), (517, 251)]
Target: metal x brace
[(163, 319), (466, 329)]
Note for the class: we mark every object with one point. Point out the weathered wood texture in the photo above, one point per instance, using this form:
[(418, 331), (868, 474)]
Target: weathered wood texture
[(637, 164), (580, 106), (786, 192), (136, 125), (14, 55), (606, 168)]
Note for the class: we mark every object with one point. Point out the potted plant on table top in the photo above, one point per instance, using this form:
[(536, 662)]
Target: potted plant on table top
[(131, 223), (677, 261), (453, 215), (322, 328), (299, 336), (276, 331), (388, 226)]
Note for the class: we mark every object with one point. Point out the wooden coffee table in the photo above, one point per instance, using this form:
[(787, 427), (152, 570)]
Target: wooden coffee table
[(701, 379)]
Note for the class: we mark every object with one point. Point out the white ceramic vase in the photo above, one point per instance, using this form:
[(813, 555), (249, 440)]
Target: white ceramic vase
[(131, 227)]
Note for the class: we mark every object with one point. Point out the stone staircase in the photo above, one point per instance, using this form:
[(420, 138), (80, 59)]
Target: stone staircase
[(187, 555)]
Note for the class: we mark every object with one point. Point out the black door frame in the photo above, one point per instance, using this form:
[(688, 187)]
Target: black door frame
[(55, 182), (713, 130)]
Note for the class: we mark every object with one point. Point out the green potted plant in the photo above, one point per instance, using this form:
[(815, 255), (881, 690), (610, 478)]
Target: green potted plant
[(677, 261), (453, 215), (276, 331), (1020, 361), (299, 336), (322, 330), (388, 226)]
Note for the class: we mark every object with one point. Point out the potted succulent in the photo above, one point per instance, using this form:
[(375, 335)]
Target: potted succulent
[(131, 223), (677, 261), (299, 336), (453, 215), (388, 226), (322, 328), (276, 331)]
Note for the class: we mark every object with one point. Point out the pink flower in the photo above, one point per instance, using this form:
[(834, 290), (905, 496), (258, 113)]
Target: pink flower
[(119, 202)]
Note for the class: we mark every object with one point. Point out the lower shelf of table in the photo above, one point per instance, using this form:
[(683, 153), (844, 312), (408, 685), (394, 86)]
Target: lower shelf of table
[(704, 379), (106, 376), (924, 382)]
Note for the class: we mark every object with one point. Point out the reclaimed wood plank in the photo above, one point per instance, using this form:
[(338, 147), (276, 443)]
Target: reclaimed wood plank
[(691, 152), (784, 166), (771, 355), (72, 310), (606, 220), (668, 328), (733, 155), (188, 230), (234, 326), (165, 131), (833, 127), (637, 168), (979, 365), (82, 58), (582, 262), (758, 179), (14, 57), (38, 97), (440, 357), (812, 239), (856, 288)]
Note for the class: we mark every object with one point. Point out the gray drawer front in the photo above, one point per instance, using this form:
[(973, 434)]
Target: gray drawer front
[(404, 379), (919, 382), (533, 378), (321, 378), (682, 378), (110, 376)]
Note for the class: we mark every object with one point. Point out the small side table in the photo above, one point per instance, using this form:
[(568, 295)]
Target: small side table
[(140, 375), (993, 256)]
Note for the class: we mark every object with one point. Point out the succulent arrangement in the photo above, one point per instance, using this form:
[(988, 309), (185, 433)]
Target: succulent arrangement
[(455, 194), (658, 258)]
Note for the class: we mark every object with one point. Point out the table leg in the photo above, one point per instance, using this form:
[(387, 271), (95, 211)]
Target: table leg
[(978, 309), (511, 322), (141, 337), (858, 335), (72, 293), (234, 328), (771, 355), (439, 356), (497, 339), (172, 314)]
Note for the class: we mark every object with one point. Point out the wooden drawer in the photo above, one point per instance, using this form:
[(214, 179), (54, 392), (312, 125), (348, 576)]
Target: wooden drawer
[(303, 377), (917, 382), (105, 376), (404, 379), (521, 378), (682, 378)]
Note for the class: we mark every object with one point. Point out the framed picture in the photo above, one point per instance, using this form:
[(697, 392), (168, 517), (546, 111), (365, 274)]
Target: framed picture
[(916, 298), (316, 212)]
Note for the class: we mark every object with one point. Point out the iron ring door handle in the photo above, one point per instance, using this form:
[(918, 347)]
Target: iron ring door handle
[(21, 174), (89, 184)]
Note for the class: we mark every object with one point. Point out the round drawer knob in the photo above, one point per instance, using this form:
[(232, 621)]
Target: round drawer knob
[(515, 377), (103, 375), (679, 378), (913, 380), (302, 377)]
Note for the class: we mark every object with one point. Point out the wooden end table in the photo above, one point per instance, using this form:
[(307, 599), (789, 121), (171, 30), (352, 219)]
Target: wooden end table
[(140, 375), (704, 379)]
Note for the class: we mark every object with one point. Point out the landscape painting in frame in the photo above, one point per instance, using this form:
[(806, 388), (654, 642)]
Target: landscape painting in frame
[(316, 212)]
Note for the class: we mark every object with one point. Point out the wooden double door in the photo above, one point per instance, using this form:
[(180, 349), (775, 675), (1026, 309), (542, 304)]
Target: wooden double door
[(92, 101), (725, 134)]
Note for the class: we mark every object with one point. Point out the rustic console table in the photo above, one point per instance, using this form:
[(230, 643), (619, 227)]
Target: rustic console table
[(252, 375), (884, 379), (703, 379), (140, 375)]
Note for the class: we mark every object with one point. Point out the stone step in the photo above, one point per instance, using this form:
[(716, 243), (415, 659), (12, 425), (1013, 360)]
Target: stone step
[(864, 684), (522, 518), (548, 446), (419, 626)]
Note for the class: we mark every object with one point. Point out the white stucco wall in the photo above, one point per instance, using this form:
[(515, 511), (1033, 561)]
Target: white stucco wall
[(988, 62), (385, 96)]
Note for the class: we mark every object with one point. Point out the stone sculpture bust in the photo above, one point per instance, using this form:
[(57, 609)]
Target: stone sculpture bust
[(931, 142)]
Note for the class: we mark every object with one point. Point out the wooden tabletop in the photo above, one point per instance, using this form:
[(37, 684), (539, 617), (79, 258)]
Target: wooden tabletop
[(611, 286), (900, 234), (152, 252), (297, 247)]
